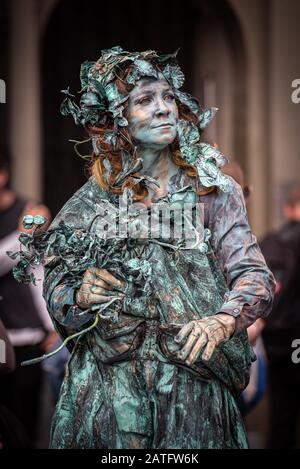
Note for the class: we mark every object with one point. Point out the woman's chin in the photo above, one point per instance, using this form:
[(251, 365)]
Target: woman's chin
[(164, 140)]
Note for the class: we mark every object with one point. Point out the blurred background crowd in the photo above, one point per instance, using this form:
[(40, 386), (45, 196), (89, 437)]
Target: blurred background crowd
[(238, 55)]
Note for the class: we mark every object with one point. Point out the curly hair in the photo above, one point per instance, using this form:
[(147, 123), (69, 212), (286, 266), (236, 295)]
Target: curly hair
[(124, 143)]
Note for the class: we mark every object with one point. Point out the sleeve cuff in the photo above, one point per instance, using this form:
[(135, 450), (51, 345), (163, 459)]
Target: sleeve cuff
[(66, 311), (233, 310)]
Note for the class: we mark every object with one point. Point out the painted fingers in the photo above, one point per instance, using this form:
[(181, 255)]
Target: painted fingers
[(98, 286), (205, 334)]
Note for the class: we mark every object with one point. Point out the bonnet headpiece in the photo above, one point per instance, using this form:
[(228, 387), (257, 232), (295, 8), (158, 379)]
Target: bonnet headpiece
[(101, 100)]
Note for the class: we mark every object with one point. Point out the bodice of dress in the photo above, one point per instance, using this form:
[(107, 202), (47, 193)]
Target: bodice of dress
[(184, 284)]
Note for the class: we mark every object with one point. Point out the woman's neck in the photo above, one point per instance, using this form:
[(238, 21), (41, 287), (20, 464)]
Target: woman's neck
[(154, 160), (159, 165)]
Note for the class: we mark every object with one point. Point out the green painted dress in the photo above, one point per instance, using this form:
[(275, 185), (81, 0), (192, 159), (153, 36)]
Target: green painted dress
[(124, 385)]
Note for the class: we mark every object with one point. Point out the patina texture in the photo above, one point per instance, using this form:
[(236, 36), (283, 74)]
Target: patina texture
[(125, 385)]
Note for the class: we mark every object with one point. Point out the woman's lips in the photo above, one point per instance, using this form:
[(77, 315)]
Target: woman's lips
[(162, 125)]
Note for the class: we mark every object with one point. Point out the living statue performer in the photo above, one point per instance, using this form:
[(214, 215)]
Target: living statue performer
[(156, 326)]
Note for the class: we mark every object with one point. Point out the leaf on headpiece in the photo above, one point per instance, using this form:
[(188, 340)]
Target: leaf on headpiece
[(67, 93), (84, 73), (174, 75), (112, 92), (133, 76), (207, 116), (147, 54), (69, 107), (97, 87), (188, 136), (189, 101), (90, 116), (122, 122), (145, 68), (89, 110), (82, 115), (168, 57), (115, 100), (116, 50), (91, 99), (187, 132)]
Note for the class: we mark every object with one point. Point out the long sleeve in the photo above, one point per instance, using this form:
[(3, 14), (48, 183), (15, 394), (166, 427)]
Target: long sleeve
[(78, 212), (59, 297), (251, 284), (9, 243), (37, 296)]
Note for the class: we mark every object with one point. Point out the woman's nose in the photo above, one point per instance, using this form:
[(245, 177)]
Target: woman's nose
[(161, 108)]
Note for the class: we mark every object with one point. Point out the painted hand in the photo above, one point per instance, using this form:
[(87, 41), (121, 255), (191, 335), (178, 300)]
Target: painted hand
[(98, 286), (207, 332)]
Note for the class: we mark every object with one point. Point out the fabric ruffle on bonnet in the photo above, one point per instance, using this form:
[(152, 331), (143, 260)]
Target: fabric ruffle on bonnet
[(101, 100)]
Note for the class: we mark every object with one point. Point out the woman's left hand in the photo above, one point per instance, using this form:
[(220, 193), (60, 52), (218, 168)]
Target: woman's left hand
[(207, 332)]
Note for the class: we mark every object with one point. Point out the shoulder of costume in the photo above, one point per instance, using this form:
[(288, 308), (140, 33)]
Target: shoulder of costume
[(80, 209), (219, 197)]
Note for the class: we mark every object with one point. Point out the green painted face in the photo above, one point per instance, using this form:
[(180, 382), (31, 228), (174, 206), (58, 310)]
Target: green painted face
[(152, 113)]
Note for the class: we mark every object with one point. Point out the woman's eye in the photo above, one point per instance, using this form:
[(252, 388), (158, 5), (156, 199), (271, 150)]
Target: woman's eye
[(170, 97), (145, 100)]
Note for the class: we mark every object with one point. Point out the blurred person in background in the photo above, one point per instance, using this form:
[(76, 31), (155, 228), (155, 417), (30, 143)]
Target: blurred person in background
[(12, 432), (282, 253), (22, 309), (7, 359)]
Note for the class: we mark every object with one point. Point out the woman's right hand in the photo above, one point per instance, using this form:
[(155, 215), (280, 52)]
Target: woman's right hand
[(98, 286)]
